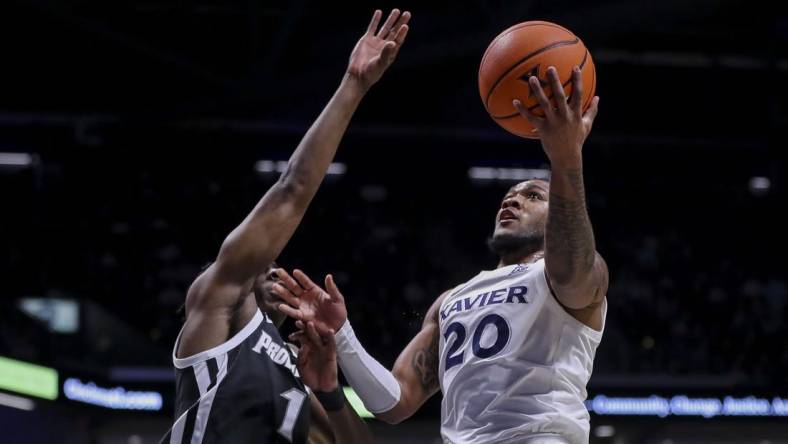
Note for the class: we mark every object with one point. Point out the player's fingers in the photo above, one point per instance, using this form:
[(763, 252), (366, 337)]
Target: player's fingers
[(303, 354), (286, 295), (300, 325), (311, 332), (558, 91), (386, 28), (590, 114), (399, 38), (322, 329), (289, 283), (544, 102), (403, 20), (387, 53), (576, 100), (332, 290), (331, 343), (297, 337), (290, 311), (535, 120), (373, 24), (321, 333), (303, 280)]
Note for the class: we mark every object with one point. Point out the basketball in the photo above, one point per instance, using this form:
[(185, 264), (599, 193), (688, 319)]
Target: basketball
[(526, 50)]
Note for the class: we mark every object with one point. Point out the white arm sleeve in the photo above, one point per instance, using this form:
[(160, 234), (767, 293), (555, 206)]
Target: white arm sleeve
[(375, 385)]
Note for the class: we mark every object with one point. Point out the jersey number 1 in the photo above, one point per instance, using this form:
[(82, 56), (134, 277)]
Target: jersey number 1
[(295, 399), (453, 357)]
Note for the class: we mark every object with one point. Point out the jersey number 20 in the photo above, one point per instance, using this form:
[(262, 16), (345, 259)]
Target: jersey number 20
[(455, 357)]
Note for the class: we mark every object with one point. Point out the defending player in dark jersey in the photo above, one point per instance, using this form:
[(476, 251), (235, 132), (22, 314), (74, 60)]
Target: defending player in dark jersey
[(237, 381)]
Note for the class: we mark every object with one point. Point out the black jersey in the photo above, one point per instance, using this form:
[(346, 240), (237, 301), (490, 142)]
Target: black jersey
[(242, 391)]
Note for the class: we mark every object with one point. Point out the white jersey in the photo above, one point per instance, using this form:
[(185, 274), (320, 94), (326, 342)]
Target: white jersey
[(513, 363)]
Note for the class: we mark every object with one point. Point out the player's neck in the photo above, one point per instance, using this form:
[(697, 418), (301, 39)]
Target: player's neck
[(520, 257)]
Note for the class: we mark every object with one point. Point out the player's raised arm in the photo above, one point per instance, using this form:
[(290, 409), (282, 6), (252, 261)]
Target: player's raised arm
[(391, 395), (262, 235), (576, 272), (257, 241)]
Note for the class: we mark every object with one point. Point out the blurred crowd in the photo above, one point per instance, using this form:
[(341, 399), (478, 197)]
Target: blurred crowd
[(691, 293)]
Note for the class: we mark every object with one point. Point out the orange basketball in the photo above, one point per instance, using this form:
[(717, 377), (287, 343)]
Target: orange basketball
[(526, 50)]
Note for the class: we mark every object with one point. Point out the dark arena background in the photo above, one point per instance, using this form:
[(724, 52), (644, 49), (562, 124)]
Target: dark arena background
[(135, 134)]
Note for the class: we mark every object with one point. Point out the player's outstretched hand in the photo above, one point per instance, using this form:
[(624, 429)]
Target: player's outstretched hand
[(564, 128), (317, 357), (305, 301), (378, 47)]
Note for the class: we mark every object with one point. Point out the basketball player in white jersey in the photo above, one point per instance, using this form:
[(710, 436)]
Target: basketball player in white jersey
[(511, 349), (236, 379)]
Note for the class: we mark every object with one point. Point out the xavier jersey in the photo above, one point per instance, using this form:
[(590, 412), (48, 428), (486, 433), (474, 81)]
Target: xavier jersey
[(246, 390), (513, 363)]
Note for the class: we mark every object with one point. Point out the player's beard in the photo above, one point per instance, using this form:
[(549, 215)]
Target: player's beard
[(508, 244)]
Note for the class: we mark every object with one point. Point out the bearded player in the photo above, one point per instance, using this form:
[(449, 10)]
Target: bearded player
[(512, 349)]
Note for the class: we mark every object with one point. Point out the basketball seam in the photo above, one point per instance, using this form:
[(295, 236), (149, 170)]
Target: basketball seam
[(533, 107), (523, 60), (515, 28)]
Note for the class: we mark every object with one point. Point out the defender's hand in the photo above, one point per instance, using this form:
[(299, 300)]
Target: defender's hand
[(317, 358), (375, 51), (305, 301), (564, 128)]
